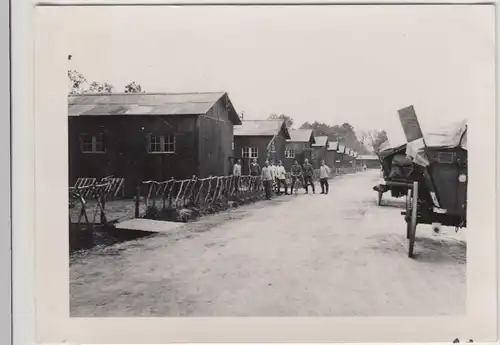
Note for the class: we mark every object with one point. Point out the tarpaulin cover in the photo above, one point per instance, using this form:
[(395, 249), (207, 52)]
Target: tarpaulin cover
[(400, 166), (401, 160), (454, 135), (391, 150)]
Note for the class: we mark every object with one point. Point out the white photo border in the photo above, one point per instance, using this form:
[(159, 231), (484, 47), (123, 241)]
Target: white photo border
[(5, 177), (52, 273), (22, 173)]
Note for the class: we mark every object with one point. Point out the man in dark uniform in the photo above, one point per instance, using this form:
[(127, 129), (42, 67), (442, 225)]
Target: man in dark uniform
[(255, 172), (308, 175), (296, 173)]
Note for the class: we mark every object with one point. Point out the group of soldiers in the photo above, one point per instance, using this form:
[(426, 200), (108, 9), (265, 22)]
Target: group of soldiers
[(275, 174)]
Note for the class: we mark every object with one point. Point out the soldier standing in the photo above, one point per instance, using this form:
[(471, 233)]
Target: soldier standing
[(308, 175), (296, 172)]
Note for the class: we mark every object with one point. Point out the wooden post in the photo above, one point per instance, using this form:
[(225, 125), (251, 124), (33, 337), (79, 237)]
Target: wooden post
[(103, 205), (137, 200)]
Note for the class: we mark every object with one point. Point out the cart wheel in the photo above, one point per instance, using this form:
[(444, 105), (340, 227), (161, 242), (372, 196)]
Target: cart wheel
[(408, 212), (413, 220), (379, 199)]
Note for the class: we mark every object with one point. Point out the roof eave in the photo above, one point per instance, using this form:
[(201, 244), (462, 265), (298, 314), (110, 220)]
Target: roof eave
[(100, 115), (287, 133), (234, 117), (253, 135), (312, 139), (297, 141)]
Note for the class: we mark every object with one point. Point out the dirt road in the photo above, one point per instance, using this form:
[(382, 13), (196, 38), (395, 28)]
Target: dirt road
[(307, 255)]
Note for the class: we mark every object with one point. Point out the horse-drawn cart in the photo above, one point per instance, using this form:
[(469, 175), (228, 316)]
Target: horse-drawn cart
[(438, 194)]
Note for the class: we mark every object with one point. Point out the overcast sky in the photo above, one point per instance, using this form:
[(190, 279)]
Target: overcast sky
[(332, 64)]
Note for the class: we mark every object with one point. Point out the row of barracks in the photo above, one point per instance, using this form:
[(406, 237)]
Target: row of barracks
[(157, 136)]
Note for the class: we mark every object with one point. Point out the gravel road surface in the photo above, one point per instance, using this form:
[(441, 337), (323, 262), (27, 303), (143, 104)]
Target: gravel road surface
[(307, 255)]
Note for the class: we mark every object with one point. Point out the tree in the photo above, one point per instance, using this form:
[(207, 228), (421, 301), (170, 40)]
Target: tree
[(375, 139), (320, 129), (133, 87), (347, 134), (344, 134), (363, 139), (78, 85), (96, 87), (77, 82), (288, 119)]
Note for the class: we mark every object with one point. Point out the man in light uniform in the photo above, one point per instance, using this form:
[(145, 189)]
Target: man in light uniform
[(324, 174), (237, 174), (281, 177)]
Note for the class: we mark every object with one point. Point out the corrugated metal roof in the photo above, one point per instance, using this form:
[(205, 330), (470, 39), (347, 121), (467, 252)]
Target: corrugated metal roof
[(142, 103), (258, 128), (320, 141), (300, 135), (333, 145), (368, 157)]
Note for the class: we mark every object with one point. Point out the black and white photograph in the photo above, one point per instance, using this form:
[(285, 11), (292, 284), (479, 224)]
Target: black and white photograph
[(312, 179), (273, 161)]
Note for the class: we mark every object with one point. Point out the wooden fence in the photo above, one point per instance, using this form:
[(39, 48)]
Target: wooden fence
[(88, 191), (210, 192), (201, 193), (205, 192)]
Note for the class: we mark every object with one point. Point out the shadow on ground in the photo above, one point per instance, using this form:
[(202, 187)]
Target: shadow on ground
[(438, 250), (393, 203)]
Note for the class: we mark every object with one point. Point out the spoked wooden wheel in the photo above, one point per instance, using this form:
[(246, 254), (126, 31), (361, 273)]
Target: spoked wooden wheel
[(412, 222), (408, 212), (379, 197)]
